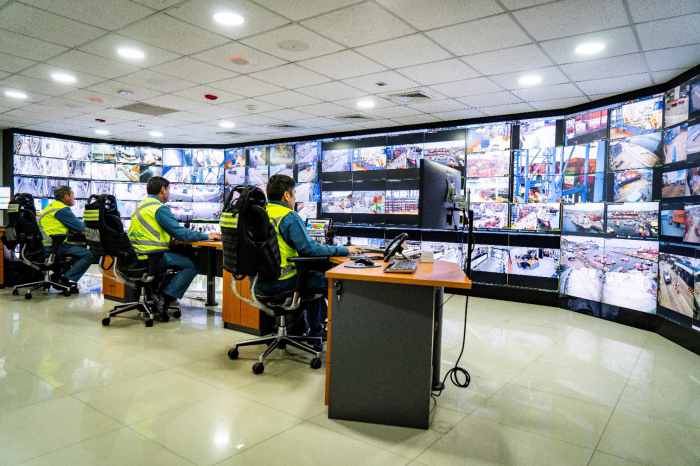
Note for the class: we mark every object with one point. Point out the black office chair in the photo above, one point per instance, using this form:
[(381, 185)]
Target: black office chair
[(251, 250), (23, 231), (105, 234)]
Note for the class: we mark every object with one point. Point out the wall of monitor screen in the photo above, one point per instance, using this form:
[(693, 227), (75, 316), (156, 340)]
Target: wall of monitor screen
[(605, 203)]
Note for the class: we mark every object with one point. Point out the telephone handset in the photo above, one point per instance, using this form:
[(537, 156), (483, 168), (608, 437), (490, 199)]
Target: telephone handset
[(395, 247)]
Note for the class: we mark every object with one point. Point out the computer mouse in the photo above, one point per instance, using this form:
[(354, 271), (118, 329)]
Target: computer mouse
[(364, 261)]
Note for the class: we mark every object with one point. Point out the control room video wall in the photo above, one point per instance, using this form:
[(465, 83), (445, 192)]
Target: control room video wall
[(602, 205)]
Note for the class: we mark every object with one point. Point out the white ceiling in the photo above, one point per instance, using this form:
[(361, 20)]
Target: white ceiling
[(469, 55)]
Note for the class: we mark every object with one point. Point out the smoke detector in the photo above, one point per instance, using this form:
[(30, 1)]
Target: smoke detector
[(293, 45)]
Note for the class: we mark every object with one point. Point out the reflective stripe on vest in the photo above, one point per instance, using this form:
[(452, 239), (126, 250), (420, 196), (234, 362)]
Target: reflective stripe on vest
[(145, 233), (49, 224), (91, 215), (276, 213), (227, 220)]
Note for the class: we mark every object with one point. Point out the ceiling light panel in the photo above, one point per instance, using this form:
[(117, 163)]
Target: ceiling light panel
[(591, 48), (228, 18), (547, 77), (16, 95), (358, 25), (107, 46), (619, 41), (269, 43)]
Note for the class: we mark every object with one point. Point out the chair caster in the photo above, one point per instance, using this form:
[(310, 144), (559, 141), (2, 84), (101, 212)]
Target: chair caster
[(105, 321), (15, 292), (258, 368), (47, 287), (164, 316), (177, 314), (315, 363), (233, 353), (149, 323), (66, 293), (318, 347), (28, 296)]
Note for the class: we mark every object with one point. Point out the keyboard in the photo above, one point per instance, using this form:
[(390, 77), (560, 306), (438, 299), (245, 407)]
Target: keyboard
[(402, 267)]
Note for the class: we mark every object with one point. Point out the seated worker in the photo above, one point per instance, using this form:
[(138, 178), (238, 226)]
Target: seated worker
[(58, 219), (152, 226), (294, 240)]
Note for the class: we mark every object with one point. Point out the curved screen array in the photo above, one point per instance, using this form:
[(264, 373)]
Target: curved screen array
[(606, 203)]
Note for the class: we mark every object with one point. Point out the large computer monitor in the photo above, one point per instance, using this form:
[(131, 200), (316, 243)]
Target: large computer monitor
[(435, 179)]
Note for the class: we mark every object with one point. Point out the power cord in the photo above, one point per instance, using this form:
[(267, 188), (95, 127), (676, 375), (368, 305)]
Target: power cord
[(453, 373)]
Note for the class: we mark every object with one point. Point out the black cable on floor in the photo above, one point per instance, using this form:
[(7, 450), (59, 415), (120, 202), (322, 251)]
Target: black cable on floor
[(453, 373)]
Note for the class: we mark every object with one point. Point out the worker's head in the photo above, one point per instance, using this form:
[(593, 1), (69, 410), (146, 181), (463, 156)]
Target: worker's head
[(159, 186), (281, 188), (65, 195)]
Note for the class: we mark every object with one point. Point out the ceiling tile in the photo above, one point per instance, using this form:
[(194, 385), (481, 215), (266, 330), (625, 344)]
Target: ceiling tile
[(12, 64), (111, 100), (650, 10), (92, 64), (524, 57), (194, 70), (157, 81), (121, 115), (605, 67), (206, 128), (617, 42), (618, 85), (467, 87), (446, 105), (394, 82), (495, 32), (290, 76), (379, 102), (439, 72), (107, 46), (174, 102), (392, 112), (324, 109), (570, 17), (27, 47), (246, 86), (198, 93), (88, 120), (550, 75), (667, 33), (110, 15), (667, 75), (459, 114), (342, 65), (43, 71), (318, 122), (507, 109), (438, 13), (345, 128), (258, 106), (161, 122), (172, 34), (289, 99), (221, 56), (410, 50), (200, 12), (189, 117), (35, 85), (486, 100), (269, 42), (256, 120), (113, 87), (559, 103), (417, 119), (287, 115), (300, 9), (357, 25), (558, 91), (517, 4), (331, 91), (24, 19), (216, 111), (678, 57), (378, 124)]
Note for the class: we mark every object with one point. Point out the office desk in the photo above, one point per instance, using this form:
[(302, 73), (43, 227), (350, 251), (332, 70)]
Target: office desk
[(387, 332)]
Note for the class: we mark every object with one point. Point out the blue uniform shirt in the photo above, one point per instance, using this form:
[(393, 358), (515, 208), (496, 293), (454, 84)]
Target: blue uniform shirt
[(68, 218), (293, 231), (165, 219)]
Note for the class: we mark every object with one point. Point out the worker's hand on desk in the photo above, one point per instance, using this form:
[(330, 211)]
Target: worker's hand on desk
[(216, 236), (355, 250)]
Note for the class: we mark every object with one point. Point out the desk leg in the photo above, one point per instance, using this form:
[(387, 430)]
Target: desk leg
[(211, 278), (437, 337)]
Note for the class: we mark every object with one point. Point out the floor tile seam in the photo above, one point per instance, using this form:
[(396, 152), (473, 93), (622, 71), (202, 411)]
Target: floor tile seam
[(35, 402), (266, 405), (587, 371), (631, 381), (227, 390), (444, 361), (664, 361), (117, 381), (162, 446), (630, 411), (580, 347), (616, 456)]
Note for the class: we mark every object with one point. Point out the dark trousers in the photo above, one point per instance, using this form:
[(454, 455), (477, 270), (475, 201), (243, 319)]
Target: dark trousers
[(85, 258), (316, 311)]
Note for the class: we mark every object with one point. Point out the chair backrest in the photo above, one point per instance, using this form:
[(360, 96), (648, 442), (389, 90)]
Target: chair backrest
[(105, 233), (23, 228), (249, 239)]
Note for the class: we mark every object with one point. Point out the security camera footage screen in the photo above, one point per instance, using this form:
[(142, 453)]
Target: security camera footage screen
[(581, 272), (234, 158), (103, 153), (630, 271), (80, 188), (449, 153), (339, 160), (677, 281), (404, 156), (587, 127), (203, 193), (369, 158), (402, 202), (691, 231), (368, 202), (490, 216), (488, 164), (127, 154), (487, 138), (535, 216), (309, 152), (307, 210), (151, 156), (148, 172), (282, 154), (675, 144), (633, 219), (234, 176), (258, 175), (633, 185), (336, 202), (128, 191), (129, 173), (256, 156), (488, 189), (533, 262), (583, 218), (638, 117), (308, 192), (635, 152), (672, 222), (538, 133), (307, 172), (103, 171), (282, 169), (207, 157), (693, 145), (676, 105), (674, 184), (207, 210)]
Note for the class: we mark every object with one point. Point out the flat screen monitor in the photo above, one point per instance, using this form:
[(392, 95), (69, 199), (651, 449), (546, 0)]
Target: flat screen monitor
[(234, 176), (80, 188), (283, 153), (369, 158), (691, 231), (206, 210), (490, 215), (676, 105), (182, 192), (641, 116), (694, 110), (282, 169), (27, 165), (308, 192), (678, 268), (103, 153), (448, 153), (258, 175), (538, 133), (308, 152), (488, 138), (176, 158), (495, 189), (234, 158), (307, 209), (676, 144), (673, 183), (402, 201), (630, 273), (307, 172), (368, 202), (318, 226), (404, 156), (338, 160), (151, 156), (673, 222), (5, 194), (633, 185), (632, 152), (207, 157), (587, 127), (488, 164), (336, 202), (581, 267), (130, 173), (588, 217), (149, 171), (435, 179), (257, 156), (631, 219), (208, 193), (693, 145), (127, 154), (544, 217), (79, 169)]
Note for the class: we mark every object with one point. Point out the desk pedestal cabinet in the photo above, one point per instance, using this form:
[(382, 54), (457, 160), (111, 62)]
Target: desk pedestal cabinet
[(239, 315)]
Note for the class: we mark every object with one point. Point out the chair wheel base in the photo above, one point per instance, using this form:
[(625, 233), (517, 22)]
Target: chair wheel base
[(233, 353), (318, 347), (258, 368), (28, 296), (105, 321), (66, 293), (315, 363), (149, 323), (15, 292)]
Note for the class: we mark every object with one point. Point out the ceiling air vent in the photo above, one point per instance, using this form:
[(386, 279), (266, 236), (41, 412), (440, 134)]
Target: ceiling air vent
[(354, 117), (146, 109), (235, 134), (410, 97), (284, 126)]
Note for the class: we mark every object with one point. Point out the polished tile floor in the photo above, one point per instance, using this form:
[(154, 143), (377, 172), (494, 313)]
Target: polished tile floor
[(549, 387)]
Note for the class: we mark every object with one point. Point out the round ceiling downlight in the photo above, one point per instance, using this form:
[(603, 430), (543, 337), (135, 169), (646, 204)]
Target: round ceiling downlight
[(16, 95), (228, 19), (156, 134), (131, 53), (102, 132), (226, 124), (365, 104), (530, 80), (239, 61), (63, 78), (590, 49)]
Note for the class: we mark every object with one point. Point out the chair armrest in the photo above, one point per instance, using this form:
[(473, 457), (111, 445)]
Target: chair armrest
[(56, 242), (304, 266), (301, 260), (153, 260)]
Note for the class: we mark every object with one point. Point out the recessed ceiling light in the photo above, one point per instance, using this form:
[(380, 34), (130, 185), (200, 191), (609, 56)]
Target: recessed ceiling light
[(102, 132), (15, 94), (125, 92), (365, 104), (156, 134), (96, 99), (64, 78), (530, 80), (590, 49), (131, 53), (226, 124), (239, 61), (228, 19)]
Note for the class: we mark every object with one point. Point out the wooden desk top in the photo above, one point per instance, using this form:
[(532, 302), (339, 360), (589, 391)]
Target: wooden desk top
[(205, 244), (438, 273)]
